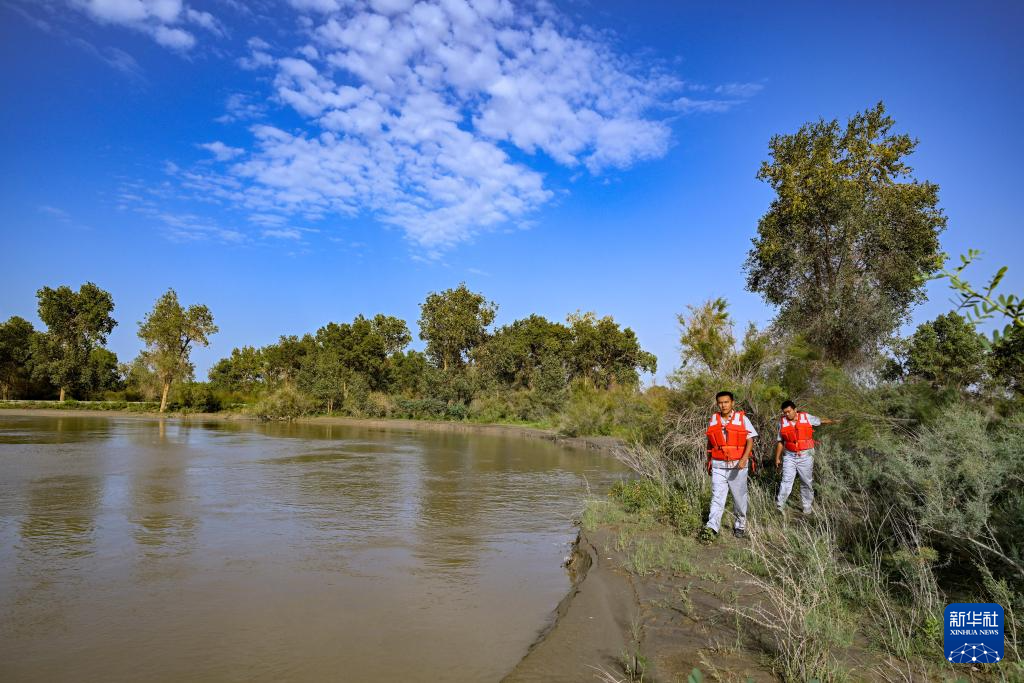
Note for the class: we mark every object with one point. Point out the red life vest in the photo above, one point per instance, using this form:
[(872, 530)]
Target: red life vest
[(797, 436), (731, 444)]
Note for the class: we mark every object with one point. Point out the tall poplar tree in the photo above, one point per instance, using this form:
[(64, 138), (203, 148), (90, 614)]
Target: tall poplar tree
[(851, 236), (170, 331)]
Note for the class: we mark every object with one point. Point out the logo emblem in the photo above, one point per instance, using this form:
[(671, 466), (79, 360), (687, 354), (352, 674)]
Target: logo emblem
[(973, 633)]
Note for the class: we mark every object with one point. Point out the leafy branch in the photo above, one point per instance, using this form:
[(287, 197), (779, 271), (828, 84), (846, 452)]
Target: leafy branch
[(983, 304)]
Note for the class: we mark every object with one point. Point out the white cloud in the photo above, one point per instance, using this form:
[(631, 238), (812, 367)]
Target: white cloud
[(285, 234), (421, 115), (161, 19), (240, 107), (741, 90), (323, 6), (436, 116), (221, 151), (689, 105), (174, 37), (258, 57)]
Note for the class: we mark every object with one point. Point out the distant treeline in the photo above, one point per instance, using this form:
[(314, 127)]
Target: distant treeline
[(524, 371)]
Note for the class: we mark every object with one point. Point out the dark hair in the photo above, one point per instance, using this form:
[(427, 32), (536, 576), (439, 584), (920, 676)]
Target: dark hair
[(788, 404), (720, 394)]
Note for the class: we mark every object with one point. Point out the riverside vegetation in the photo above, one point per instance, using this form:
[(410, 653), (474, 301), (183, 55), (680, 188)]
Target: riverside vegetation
[(919, 489)]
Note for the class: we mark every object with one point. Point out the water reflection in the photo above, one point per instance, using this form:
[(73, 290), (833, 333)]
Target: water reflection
[(57, 535), (160, 513), (232, 551), (59, 521), (59, 430)]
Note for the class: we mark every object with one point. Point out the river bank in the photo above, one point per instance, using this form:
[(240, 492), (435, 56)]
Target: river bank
[(620, 624)]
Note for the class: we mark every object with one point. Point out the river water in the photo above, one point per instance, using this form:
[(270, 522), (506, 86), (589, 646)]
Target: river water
[(146, 550)]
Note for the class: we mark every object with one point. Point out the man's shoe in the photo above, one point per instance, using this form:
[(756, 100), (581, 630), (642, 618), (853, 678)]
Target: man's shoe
[(707, 536), (739, 533)]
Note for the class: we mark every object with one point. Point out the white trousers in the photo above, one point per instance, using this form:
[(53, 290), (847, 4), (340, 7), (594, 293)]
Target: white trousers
[(724, 481), (793, 465)]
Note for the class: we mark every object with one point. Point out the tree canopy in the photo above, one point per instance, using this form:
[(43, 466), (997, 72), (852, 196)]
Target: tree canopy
[(77, 323), (453, 323), (850, 237), (947, 352), (169, 332), (605, 354), (15, 355)]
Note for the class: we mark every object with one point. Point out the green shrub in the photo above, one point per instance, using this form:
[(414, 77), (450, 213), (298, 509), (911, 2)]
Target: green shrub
[(668, 504), (194, 397), (620, 411), (513, 406), (378, 405), (287, 403)]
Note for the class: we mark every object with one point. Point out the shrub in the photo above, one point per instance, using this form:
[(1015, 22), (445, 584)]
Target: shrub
[(516, 406), (286, 403), (619, 411), (668, 504), (379, 405), (195, 396)]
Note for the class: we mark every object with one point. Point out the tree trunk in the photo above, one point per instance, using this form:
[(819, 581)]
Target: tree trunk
[(61, 399), (330, 406), (163, 399)]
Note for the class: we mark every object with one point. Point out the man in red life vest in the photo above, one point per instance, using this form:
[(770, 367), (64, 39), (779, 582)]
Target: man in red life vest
[(794, 453), (730, 441)]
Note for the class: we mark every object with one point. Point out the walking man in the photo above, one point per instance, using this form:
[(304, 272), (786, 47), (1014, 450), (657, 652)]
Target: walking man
[(730, 441), (794, 453)]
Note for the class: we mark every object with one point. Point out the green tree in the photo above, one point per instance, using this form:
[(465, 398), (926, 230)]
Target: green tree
[(1007, 359), (102, 372), (393, 331), (526, 354), (850, 237), (706, 336), (348, 360), (15, 356), (284, 360), (140, 381), (453, 323), (326, 378), (77, 322), (409, 373), (243, 371), (947, 352), (169, 332), (710, 354), (604, 354)]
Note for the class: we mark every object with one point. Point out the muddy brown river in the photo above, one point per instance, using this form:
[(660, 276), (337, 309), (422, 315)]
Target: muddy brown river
[(145, 550)]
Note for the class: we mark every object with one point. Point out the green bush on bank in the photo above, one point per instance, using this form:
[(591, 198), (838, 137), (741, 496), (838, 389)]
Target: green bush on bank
[(667, 504), (287, 403), (619, 411)]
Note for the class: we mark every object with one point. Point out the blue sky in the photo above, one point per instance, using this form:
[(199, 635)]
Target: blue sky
[(294, 163)]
